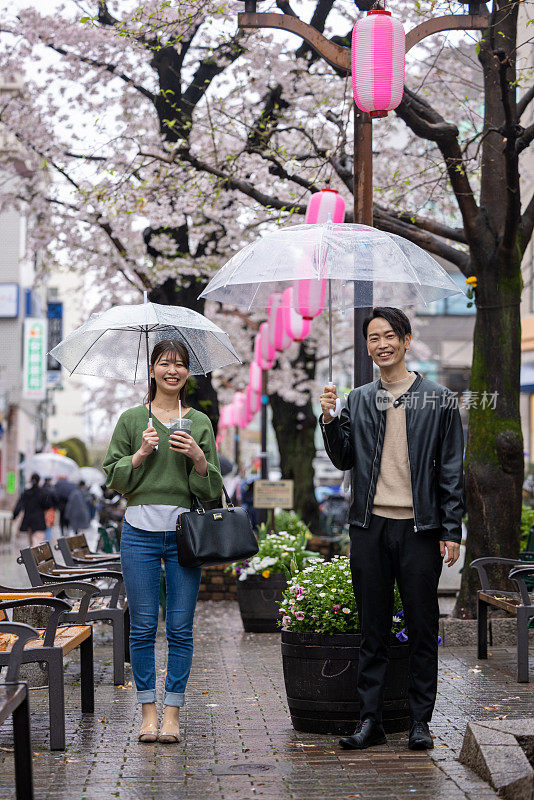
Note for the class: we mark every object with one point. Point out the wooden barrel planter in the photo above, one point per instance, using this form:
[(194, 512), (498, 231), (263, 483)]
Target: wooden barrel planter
[(258, 598), (320, 672)]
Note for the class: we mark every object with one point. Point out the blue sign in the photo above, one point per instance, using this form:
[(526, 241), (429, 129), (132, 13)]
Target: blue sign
[(55, 332)]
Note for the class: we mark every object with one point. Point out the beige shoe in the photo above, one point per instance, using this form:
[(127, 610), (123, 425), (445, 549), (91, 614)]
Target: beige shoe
[(148, 731), (170, 726)]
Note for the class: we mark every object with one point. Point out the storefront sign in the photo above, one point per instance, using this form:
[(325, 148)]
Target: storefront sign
[(273, 494), (11, 483), (55, 334), (9, 300), (34, 364)]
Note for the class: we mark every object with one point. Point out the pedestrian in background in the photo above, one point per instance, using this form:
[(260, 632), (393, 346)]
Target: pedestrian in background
[(50, 513), (77, 512), (32, 502), (158, 471), (62, 490)]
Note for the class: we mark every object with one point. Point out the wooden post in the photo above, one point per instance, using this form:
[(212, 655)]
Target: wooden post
[(363, 214)]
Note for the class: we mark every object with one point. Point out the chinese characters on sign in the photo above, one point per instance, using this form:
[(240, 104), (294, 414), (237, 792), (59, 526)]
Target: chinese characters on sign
[(34, 364)]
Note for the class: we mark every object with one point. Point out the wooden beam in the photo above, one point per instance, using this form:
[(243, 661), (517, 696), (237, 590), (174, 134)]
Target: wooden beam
[(336, 55), (451, 22)]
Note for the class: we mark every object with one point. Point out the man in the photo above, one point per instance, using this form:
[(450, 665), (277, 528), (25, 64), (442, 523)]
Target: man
[(401, 437)]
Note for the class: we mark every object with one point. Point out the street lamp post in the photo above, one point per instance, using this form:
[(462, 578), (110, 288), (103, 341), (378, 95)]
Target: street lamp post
[(338, 56)]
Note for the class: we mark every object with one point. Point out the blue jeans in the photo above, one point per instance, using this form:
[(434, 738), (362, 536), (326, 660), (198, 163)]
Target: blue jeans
[(141, 555)]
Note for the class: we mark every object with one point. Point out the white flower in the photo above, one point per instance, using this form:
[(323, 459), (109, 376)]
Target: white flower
[(322, 594)]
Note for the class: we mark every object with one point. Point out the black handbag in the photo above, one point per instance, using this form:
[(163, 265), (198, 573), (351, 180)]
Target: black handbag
[(214, 536)]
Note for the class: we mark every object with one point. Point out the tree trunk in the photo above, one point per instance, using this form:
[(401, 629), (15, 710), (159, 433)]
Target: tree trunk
[(494, 455), (494, 463), (294, 427)]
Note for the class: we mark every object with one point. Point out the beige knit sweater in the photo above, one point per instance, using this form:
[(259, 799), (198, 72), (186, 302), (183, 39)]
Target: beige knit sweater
[(393, 496)]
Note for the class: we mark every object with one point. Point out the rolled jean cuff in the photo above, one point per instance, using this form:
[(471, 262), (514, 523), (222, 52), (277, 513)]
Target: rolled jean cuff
[(176, 699), (146, 696)]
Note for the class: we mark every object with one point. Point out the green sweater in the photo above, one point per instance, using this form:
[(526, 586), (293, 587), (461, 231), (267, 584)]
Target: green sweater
[(164, 477)]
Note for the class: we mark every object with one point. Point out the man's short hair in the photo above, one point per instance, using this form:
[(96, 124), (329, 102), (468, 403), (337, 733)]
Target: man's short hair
[(396, 318)]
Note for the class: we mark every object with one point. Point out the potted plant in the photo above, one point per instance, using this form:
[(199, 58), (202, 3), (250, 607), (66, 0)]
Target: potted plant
[(320, 652), (262, 579)]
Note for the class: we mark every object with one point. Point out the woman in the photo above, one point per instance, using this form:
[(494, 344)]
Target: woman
[(158, 471), (33, 502)]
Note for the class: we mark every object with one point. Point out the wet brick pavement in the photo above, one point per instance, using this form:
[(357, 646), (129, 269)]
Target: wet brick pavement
[(239, 743)]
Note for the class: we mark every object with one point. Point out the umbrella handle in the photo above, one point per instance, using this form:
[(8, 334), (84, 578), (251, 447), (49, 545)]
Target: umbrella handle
[(337, 410), (150, 425)]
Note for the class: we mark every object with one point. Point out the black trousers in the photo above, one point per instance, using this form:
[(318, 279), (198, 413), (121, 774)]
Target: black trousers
[(391, 550)]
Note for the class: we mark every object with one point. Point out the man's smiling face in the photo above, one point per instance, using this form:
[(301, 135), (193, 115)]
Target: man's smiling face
[(384, 345)]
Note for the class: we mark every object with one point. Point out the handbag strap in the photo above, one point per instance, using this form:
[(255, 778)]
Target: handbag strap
[(196, 504)]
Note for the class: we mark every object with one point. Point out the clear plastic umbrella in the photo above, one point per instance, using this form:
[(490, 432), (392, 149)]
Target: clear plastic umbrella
[(363, 267), (117, 343), (92, 476), (51, 465)]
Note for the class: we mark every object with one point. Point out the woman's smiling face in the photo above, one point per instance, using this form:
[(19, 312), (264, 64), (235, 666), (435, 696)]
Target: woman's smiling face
[(170, 373)]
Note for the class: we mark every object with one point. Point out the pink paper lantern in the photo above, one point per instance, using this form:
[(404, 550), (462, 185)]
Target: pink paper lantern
[(258, 348), (253, 402), (297, 328), (309, 295), (268, 353), (240, 404), (223, 417), (254, 377), (323, 204), (278, 336), (230, 415), (378, 53)]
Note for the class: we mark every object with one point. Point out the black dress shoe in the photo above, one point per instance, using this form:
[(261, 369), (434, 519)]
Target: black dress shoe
[(420, 738), (367, 734)]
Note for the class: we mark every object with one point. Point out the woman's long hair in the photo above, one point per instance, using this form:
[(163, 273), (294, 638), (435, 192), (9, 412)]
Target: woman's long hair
[(176, 351)]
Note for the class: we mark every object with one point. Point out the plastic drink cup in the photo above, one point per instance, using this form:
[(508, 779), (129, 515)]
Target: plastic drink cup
[(183, 424)]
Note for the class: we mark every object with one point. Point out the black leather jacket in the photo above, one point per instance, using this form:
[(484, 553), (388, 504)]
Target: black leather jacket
[(435, 451)]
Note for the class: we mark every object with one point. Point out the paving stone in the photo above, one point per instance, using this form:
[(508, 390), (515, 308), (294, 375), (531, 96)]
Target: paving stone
[(238, 739)]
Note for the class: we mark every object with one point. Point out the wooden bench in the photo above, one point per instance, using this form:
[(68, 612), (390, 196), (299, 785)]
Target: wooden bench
[(519, 604), (14, 702), (75, 552), (52, 644), (109, 605)]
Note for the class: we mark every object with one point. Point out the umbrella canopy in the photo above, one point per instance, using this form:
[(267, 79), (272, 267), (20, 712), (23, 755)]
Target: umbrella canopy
[(92, 476), (118, 342), (364, 267), (51, 465)]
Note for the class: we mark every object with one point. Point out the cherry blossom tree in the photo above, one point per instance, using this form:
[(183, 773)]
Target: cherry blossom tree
[(167, 139)]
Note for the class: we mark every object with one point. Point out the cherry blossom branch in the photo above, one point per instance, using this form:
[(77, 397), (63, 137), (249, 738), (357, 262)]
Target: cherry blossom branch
[(524, 139), (427, 123), (527, 223), (391, 224), (512, 215), (93, 62), (425, 224), (524, 101)]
